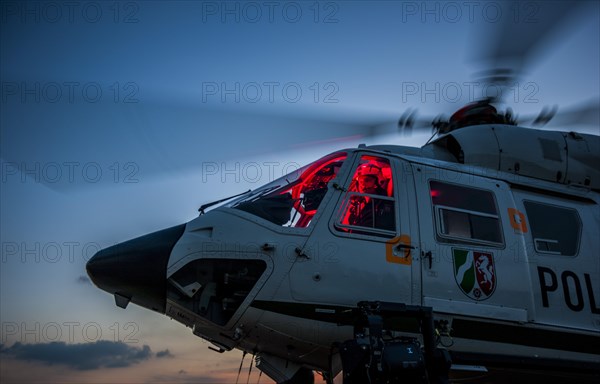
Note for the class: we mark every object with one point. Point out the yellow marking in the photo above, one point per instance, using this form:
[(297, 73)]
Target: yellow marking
[(517, 220), (390, 257)]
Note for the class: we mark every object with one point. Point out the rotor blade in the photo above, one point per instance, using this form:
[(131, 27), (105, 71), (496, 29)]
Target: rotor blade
[(404, 129), (414, 125), (64, 146), (521, 33), (583, 114), (545, 116)]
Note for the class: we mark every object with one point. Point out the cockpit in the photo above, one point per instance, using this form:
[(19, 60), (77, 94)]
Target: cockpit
[(294, 199), (214, 288), (369, 201)]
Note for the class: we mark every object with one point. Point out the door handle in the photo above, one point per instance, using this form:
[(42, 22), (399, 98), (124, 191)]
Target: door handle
[(428, 255), (403, 247)]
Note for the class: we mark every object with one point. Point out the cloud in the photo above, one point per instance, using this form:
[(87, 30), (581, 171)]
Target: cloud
[(165, 353), (183, 377), (84, 356)]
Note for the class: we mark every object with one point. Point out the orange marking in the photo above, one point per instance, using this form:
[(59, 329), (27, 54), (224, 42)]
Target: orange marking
[(390, 257), (517, 220)]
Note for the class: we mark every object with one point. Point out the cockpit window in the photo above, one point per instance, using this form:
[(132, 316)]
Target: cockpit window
[(369, 203), (294, 199)]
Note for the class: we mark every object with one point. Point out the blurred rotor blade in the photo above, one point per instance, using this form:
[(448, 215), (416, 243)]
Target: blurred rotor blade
[(583, 114), (522, 32), (545, 116), (407, 121), (407, 125), (410, 123), (66, 146)]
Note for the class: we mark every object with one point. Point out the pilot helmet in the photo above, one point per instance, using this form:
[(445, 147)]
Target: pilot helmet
[(370, 169)]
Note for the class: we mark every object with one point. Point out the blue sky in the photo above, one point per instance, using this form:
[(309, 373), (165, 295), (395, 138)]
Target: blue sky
[(125, 117)]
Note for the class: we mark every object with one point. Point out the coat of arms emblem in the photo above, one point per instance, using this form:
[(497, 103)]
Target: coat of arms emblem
[(474, 273)]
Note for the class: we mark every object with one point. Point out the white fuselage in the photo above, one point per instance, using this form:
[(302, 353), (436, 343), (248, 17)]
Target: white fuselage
[(511, 262)]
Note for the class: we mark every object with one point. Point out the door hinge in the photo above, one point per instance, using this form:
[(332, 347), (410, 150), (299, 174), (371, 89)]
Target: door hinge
[(338, 187), (301, 253)]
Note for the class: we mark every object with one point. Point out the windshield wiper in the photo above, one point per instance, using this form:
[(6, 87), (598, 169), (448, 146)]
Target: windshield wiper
[(203, 207)]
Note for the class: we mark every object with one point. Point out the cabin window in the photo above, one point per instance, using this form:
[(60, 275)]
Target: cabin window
[(465, 213), (369, 205), (293, 200), (555, 230)]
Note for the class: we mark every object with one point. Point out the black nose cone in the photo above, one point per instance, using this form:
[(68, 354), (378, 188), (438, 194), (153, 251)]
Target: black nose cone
[(136, 270)]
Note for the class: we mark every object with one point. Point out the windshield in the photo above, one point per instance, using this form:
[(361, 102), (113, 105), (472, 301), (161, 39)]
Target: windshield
[(293, 200)]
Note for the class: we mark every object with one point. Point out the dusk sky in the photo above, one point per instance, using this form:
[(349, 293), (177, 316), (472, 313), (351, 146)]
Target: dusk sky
[(122, 118)]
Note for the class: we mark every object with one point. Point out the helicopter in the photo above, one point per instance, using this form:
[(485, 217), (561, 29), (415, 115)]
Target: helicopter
[(473, 256), (454, 260)]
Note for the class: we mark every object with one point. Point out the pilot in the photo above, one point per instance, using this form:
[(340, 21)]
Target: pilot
[(369, 211), (368, 180)]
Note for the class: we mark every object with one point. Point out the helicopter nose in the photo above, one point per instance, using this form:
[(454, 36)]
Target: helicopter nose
[(136, 270)]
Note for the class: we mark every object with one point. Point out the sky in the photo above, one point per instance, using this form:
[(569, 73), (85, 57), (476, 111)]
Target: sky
[(122, 118)]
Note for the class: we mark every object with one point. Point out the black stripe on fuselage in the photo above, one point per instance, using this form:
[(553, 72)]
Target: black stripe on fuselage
[(461, 328), (331, 314), (533, 337), (505, 367)]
